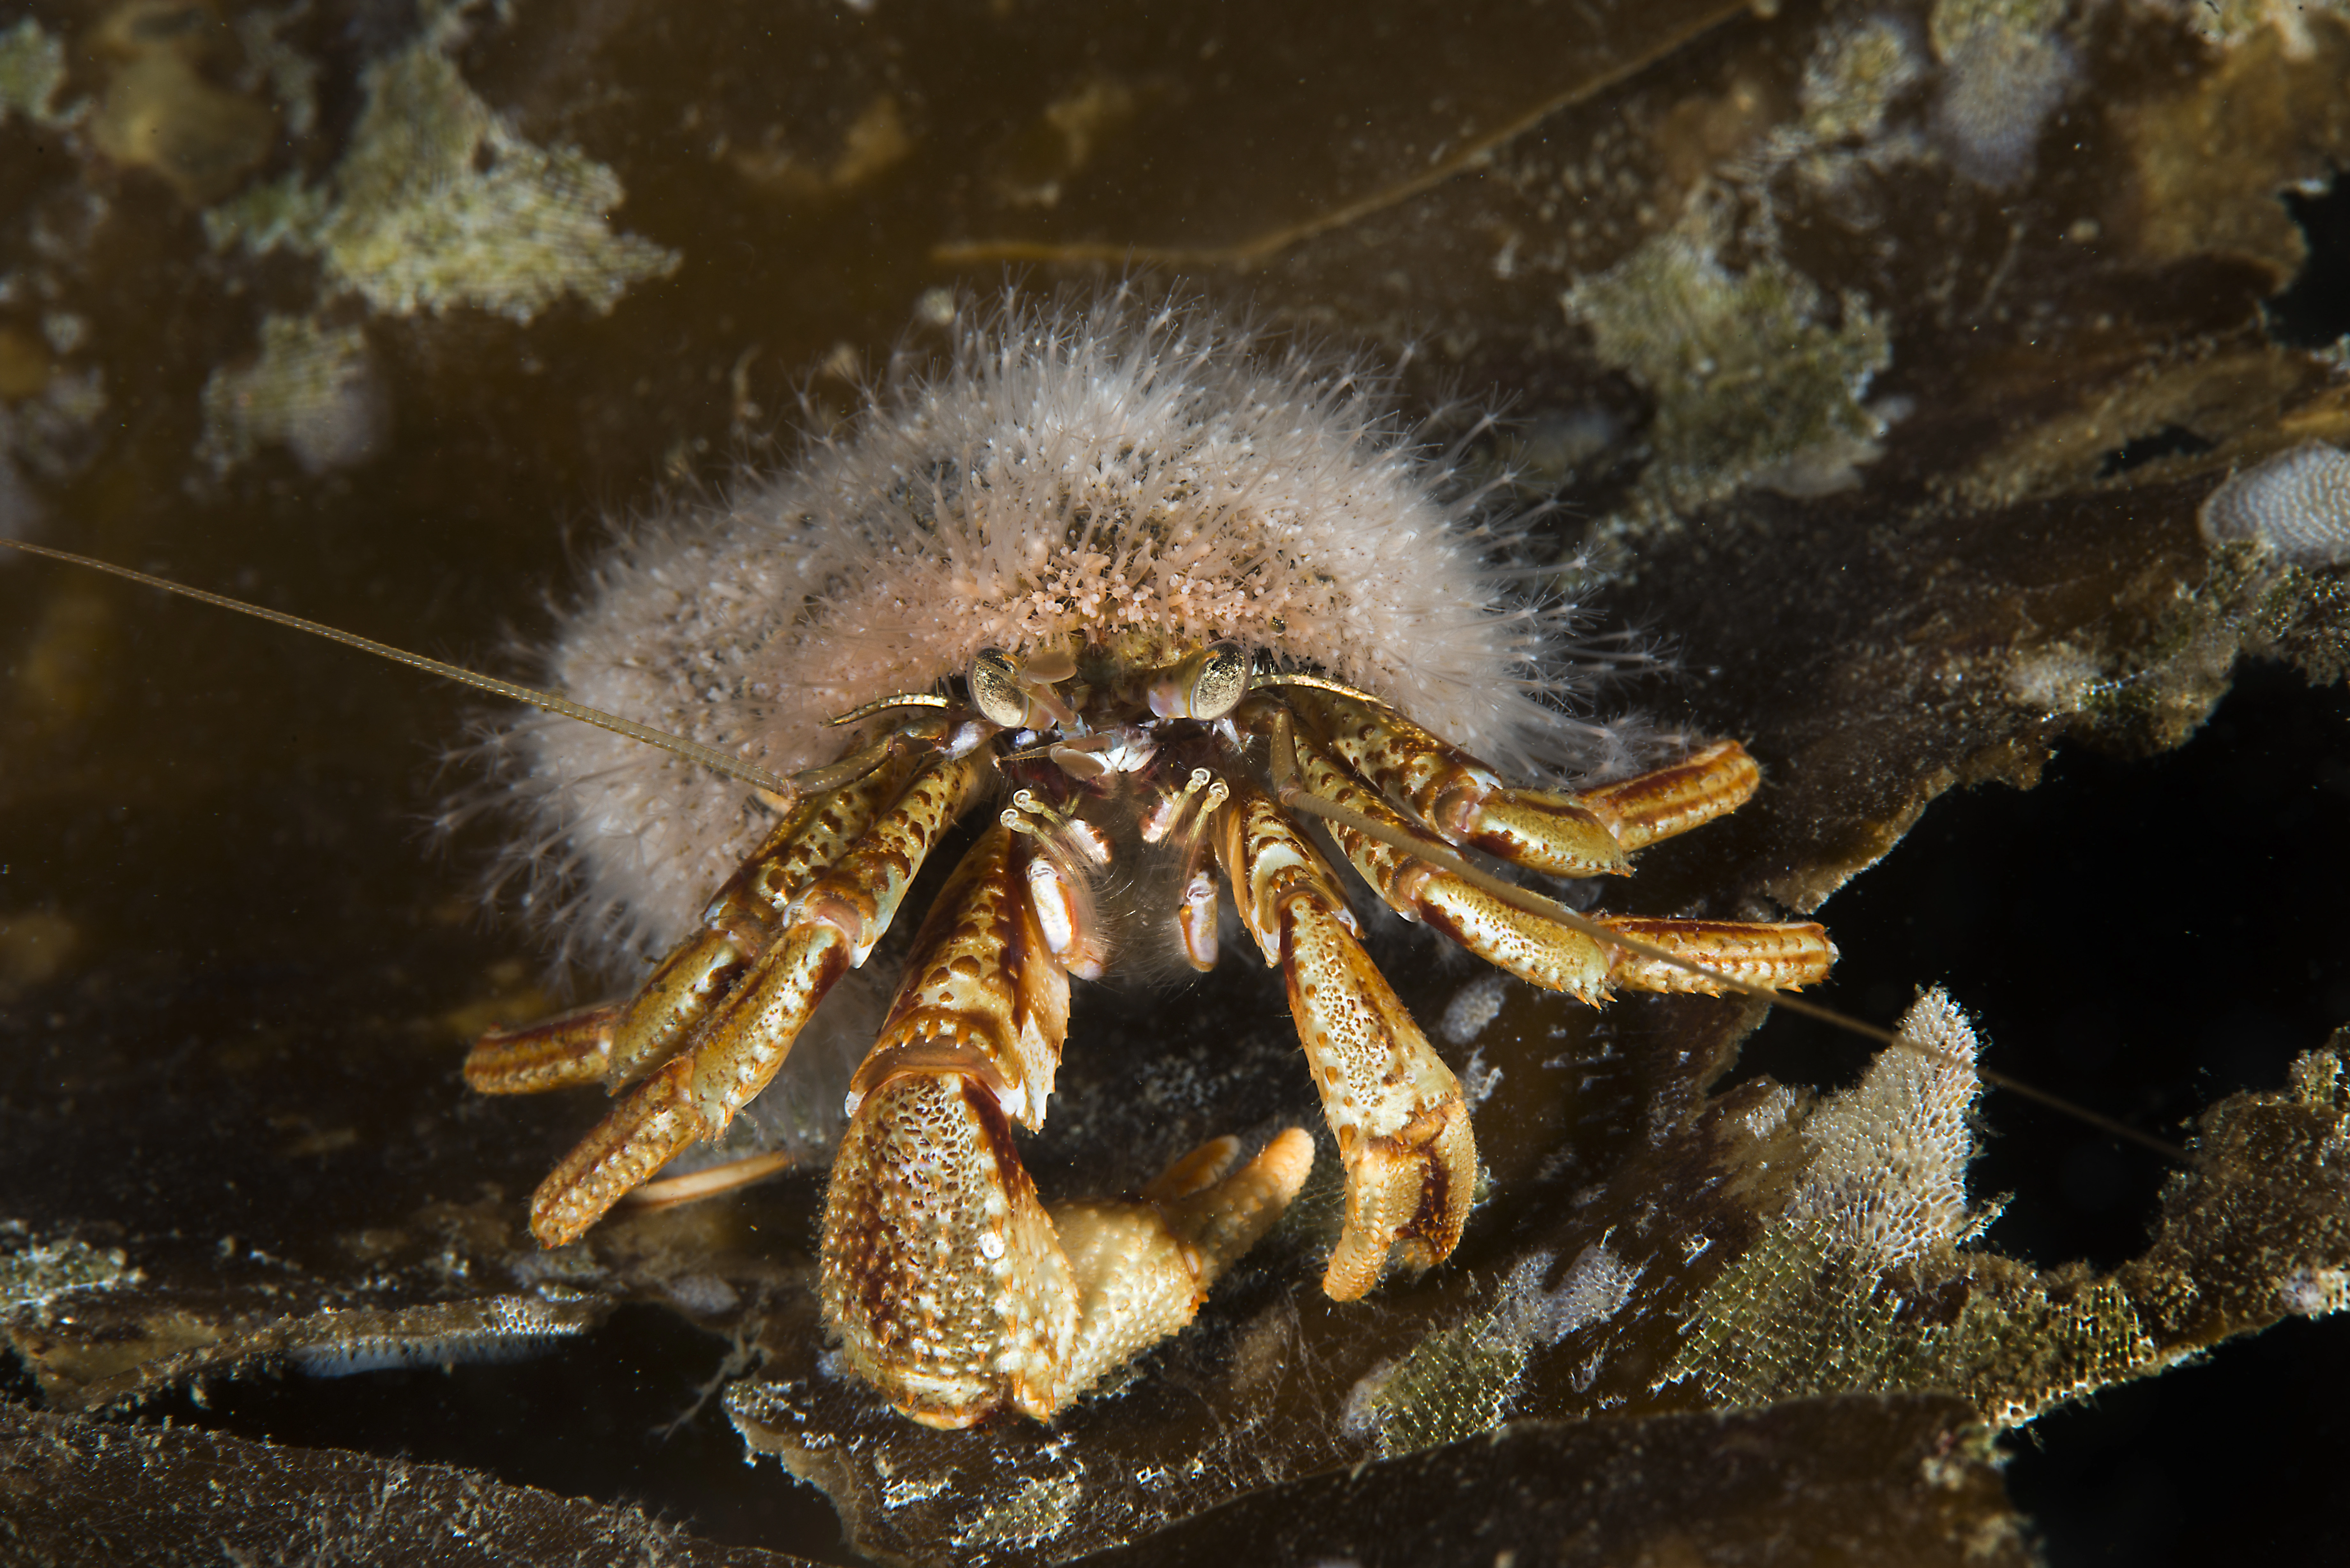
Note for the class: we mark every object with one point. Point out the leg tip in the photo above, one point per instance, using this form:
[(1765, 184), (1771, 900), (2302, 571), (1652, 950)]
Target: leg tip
[(1222, 1221), (642, 1134), (1407, 1195)]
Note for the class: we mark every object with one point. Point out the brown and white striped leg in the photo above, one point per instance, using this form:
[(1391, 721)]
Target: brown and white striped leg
[(1545, 952), (1710, 782), (1393, 1105), (617, 1043), (1567, 834), (1782, 957), (566, 1051), (732, 1051), (1461, 799)]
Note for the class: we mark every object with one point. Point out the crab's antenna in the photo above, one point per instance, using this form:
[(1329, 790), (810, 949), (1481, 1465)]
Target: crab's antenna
[(677, 745), (883, 704), (1263, 678), (708, 1182), (1294, 795)]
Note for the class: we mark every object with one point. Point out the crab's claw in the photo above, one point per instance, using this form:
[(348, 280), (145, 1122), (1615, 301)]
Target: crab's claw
[(955, 1293), (1392, 1103)]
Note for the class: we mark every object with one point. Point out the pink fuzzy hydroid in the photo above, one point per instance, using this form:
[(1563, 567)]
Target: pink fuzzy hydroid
[(1070, 469)]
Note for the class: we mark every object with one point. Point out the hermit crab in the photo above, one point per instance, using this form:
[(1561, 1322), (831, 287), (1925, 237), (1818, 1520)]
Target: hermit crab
[(1133, 593), (1139, 597)]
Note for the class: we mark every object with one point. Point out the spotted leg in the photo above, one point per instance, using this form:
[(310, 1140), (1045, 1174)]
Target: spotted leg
[(1663, 801), (617, 1043), (727, 1049), (1462, 800), (1392, 1103), (1545, 952), (955, 1293)]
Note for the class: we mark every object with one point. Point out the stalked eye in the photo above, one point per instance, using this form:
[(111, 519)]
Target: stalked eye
[(995, 688), (1222, 681), (1207, 685)]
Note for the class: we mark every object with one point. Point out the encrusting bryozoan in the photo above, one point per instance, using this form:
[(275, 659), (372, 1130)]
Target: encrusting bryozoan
[(1140, 594)]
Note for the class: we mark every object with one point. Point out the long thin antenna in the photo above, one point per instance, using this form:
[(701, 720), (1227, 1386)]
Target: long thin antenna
[(677, 745), (708, 1182)]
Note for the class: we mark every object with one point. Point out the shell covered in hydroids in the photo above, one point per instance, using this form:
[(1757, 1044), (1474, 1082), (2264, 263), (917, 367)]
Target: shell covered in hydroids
[(1075, 468)]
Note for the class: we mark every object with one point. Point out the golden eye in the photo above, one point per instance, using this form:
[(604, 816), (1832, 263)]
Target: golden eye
[(1208, 684), (995, 688), (1219, 680)]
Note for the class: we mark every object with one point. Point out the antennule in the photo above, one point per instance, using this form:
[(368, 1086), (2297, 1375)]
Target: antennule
[(678, 745)]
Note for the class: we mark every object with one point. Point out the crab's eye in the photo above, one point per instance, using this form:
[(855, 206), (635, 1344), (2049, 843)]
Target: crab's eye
[(1208, 685), (995, 688), (1222, 681)]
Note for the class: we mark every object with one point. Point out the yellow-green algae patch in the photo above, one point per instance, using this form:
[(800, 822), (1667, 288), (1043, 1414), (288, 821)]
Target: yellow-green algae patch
[(1846, 1291), (1853, 78), (1461, 1381), (1862, 1276), (32, 68), (1754, 383), (311, 390), (1861, 1284), (441, 202)]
